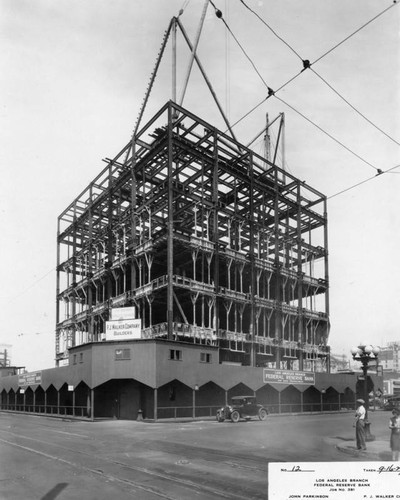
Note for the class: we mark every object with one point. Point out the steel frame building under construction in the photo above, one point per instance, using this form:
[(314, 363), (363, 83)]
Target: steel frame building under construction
[(210, 242)]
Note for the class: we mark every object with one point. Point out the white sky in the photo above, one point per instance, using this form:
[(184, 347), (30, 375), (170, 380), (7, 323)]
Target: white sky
[(73, 74)]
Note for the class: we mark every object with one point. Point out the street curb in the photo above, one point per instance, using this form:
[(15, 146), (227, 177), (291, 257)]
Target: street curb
[(352, 451), (381, 451)]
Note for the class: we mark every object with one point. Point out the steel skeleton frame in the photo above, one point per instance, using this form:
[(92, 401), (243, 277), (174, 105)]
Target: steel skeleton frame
[(210, 242)]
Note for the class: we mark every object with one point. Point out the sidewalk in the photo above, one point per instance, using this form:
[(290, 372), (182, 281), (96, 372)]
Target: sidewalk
[(376, 450)]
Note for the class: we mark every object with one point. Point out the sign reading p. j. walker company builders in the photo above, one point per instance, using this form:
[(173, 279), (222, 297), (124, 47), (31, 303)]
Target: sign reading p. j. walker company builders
[(123, 329), (288, 377)]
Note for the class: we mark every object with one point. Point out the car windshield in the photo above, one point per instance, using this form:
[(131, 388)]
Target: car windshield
[(243, 400)]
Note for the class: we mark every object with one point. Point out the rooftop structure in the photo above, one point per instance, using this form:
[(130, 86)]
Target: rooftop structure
[(210, 242), (390, 357), (5, 359)]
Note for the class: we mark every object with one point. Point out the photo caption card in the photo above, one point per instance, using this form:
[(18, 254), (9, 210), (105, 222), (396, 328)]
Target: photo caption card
[(333, 480)]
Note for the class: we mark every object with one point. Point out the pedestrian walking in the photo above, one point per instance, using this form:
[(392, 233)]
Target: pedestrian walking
[(360, 425), (394, 426)]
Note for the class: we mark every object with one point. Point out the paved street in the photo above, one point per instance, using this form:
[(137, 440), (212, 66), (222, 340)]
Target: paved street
[(44, 458)]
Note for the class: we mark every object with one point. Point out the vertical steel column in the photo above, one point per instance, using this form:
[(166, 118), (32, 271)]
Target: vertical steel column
[(215, 237), (57, 343), (92, 404), (73, 403), (300, 280), (170, 231), (278, 298), (253, 357), (155, 404), (90, 268), (74, 246), (327, 311), (133, 212), (109, 246)]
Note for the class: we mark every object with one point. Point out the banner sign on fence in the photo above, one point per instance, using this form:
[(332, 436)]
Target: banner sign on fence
[(33, 378), (288, 377), (124, 329)]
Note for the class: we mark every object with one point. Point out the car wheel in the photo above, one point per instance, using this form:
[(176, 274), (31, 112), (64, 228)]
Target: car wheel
[(220, 418), (235, 417), (262, 414)]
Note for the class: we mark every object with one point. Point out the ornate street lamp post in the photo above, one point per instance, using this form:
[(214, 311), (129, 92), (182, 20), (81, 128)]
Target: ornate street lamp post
[(366, 353)]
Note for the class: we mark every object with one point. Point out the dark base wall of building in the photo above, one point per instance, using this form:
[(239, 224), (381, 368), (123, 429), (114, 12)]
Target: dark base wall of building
[(157, 379)]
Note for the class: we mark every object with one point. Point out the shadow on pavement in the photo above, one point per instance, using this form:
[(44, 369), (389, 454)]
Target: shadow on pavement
[(54, 492)]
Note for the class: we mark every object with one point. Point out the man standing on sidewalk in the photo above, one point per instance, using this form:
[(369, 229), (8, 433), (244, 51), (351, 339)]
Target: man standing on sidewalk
[(360, 425)]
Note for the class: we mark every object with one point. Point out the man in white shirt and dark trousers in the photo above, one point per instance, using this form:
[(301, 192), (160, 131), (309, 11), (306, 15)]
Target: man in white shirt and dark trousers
[(360, 425)]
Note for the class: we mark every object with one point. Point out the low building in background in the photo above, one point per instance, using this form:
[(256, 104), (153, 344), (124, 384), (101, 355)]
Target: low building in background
[(389, 357)]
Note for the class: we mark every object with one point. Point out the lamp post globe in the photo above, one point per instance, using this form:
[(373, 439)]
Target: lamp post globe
[(354, 351), (365, 353)]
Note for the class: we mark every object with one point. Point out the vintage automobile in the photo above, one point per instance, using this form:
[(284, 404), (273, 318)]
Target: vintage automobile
[(242, 407), (391, 402)]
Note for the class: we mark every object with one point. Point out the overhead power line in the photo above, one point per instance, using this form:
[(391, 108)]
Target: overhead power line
[(272, 92), (272, 30), (249, 112), (328, 134), (356, 31), (389, 171), (328, 51), (240, 45), (355, 109), (307, 64), (29, 287)]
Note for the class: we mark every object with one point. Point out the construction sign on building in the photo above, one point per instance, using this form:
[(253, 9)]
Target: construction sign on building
[(288, 377), (123, 329), (32, 378)]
